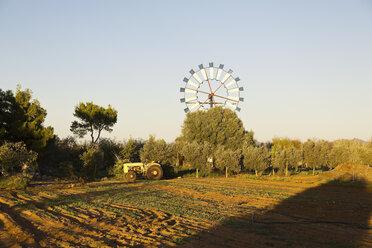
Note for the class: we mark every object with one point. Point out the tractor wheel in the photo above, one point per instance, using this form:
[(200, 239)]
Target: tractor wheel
[(154, 172), (131, 176)]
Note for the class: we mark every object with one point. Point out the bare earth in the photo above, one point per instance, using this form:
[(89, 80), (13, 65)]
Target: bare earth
[(236, 212)]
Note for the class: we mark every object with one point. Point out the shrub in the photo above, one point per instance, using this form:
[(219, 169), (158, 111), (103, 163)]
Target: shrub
[(62, 158), (110, 150), (118, 170), (18, 181), (15, 158), (131, 150), (92, 158)]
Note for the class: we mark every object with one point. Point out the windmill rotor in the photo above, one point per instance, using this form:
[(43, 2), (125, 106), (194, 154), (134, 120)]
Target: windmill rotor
[(209, 87)]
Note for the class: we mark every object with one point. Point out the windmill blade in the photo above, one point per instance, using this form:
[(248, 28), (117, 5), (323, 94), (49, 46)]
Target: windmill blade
[(233, 90), (234, 98), (227, 75), (187, 90), (193, 106), (211, 72), (231, 83), (190, 99), (193, 83), (204, 73), (219, 71), (197, 77), (231, 105)]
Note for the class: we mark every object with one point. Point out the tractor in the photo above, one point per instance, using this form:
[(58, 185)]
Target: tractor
[(151, 171)]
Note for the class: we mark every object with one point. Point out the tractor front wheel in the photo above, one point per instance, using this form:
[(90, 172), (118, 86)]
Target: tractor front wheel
[(131, 176), (154, 172)]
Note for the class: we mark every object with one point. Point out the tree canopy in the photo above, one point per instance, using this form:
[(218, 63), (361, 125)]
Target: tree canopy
[(256, 158), (158, 151), (22, 119), (93, 119), (217, 126)]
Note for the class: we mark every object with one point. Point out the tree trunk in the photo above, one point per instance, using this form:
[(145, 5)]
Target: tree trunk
[(256, 172), (286, 169), (273, 172), (313, 170), (91, 135), (226, 172), (98, 135)]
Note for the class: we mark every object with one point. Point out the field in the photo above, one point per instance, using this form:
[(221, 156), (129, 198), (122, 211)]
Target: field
[(188, 212)]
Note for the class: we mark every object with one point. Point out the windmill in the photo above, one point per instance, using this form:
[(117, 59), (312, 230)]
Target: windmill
[(209, 87)]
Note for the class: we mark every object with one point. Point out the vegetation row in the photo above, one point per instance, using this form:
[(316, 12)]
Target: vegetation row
[(211, 141)]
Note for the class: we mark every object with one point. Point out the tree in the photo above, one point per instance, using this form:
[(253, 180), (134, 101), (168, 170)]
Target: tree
[(92, 158), (338, 155), (256, 158), (22, 119), (110, 149), (227, 158), (286, 153), (158, 151), (285, 158), (61, 158), (195, 155), (6, 110), (217, 126), (93, 118), (316, 153), (131, 150)]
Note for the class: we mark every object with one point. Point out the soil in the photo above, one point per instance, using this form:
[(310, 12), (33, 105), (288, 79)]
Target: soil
[(350, 172), (213, 212)]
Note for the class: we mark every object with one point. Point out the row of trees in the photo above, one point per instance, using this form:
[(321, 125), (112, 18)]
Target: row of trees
[(218, 135), (211, 140)]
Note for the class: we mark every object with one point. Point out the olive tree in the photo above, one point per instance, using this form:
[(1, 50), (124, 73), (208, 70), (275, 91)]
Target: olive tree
[(195, 155), (316, 153), (228, 159), (256, 158), (158, 151), (285, 158), (216, 126)]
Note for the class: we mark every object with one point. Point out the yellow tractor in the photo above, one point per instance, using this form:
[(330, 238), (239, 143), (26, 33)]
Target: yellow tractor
[(151, 171)]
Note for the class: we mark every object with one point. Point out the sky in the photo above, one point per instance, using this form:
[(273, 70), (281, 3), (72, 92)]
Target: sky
[(306, 66)]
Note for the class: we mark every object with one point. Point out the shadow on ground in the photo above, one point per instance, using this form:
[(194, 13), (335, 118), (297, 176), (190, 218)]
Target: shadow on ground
[(329, 215)]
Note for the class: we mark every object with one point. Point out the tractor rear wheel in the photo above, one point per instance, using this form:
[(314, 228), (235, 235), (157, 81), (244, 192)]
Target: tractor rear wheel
[(131, 176), (154, 172)]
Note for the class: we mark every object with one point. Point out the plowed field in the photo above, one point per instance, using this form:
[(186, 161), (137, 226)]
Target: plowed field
[(189, 213)]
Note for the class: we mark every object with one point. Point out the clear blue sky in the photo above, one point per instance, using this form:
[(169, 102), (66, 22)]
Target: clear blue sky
[(306, 66)]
